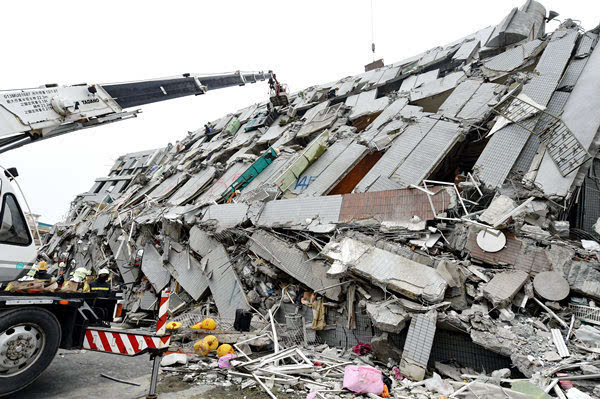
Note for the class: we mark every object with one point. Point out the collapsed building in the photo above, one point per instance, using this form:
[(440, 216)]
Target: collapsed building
[(444, 209)]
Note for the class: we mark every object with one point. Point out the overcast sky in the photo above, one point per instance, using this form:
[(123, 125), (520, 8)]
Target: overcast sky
[(305, 42)]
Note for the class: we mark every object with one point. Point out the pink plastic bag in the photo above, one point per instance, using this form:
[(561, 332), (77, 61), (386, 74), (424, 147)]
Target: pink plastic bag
[(363, 379), (224, 361)]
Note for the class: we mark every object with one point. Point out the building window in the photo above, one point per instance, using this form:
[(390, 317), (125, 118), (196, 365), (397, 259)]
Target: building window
[(13, 227), (124, 186), (99, 187), (111, 187)]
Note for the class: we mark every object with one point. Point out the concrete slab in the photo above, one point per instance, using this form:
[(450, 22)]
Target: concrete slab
[(397, 273), (551, 286), (294, 262), (504, 286), (153, 268), (500, 206), (583, 278), (389, 317), (417, 346)]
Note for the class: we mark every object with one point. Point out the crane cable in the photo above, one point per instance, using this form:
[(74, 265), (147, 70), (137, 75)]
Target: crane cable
[(372, 34)]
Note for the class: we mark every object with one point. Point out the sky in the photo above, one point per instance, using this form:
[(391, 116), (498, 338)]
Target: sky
[(305, 42)]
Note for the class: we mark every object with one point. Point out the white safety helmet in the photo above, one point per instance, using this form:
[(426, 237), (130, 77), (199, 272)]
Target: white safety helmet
[(102, 271), (80, 274)]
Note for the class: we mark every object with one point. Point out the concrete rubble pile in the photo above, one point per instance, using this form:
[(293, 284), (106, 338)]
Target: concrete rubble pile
[(441, 215)]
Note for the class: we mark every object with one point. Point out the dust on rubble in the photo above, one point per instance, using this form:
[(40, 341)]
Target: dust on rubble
[(173, 383)]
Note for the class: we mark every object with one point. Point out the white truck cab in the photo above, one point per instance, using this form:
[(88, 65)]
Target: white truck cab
[(17, 247)]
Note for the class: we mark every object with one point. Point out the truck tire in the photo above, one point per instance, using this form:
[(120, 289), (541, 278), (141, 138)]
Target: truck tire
[(29, 340)]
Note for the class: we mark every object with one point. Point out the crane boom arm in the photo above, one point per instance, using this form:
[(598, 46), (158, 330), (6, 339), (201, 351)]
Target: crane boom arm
[(28, 115)]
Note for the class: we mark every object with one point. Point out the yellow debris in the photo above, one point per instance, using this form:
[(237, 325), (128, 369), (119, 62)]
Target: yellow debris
[(201, 348), (212, 341), (224, 349), (209, 324), (173, 325)]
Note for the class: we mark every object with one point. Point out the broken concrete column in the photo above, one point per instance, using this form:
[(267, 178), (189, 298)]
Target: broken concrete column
[(560, 257), (398, 273), (456, 292), (497, 339), (584, 278), (390, 317), (561, 228), (500, 206), (384, 350), (342, 254), (417, 346), (520, 24), (504, 286)]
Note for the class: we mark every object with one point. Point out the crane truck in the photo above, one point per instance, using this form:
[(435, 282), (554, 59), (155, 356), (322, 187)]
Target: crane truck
[(33, 326)]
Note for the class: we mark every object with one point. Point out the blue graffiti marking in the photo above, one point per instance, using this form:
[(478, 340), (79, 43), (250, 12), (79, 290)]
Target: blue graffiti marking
[(302, 182)]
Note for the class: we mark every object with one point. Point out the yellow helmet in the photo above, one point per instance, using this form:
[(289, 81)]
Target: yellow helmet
[(43, 265)]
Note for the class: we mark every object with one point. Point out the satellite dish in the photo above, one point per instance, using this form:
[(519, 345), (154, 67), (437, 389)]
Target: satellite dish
[(491, 240)]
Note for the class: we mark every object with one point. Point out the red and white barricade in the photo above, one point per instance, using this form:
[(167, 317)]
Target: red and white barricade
[(126, 343), (132, 342), (163, 313)]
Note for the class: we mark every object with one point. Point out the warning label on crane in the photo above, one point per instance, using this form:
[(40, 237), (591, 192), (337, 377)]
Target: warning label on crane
[(30, 106), (35, 108)]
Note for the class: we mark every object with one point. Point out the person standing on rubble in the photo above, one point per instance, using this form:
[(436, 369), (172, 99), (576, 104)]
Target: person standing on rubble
[(332, 92), (274, 85), (101, 286)]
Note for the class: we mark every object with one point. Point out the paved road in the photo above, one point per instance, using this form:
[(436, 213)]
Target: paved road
[(76, 375)]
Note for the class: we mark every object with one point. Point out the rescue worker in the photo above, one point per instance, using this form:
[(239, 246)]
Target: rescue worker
[(38, 272), (208, 128), (42, 273), (331, 93), (274, 84), (61, 273), (101, 286), (77, 282), (271, 83)]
